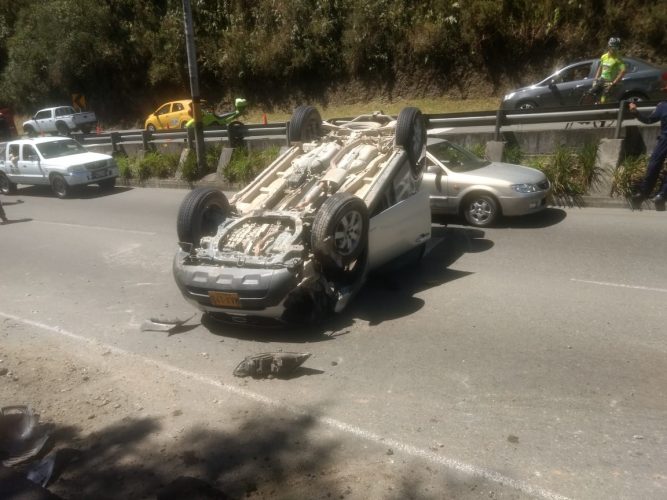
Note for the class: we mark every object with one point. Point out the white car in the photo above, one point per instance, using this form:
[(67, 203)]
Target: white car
[(299, 241), (60, 162), (461, 183)]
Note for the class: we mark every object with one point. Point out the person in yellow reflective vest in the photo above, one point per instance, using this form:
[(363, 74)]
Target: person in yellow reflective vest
[(610, 70)]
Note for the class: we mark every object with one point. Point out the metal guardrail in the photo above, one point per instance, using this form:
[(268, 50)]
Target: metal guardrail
[(498, 120)]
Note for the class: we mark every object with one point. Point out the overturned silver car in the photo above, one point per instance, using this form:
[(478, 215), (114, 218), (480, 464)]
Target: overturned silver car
[(299, 241)]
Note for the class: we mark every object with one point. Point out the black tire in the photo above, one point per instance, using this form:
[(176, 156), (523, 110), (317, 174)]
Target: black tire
[(29, 131), (526, 105), (340, 232), (62, 128), (480, 210), (305, 124), (6, 186), (411, 136), (235, 133), (59, 186), (201, 212), (107, 184), (86, 128), (151, 127), (635, 97)]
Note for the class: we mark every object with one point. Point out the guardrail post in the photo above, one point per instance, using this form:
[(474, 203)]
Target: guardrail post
[(619, 119), (146, 137), (191, 137), (500, 118), (115, 140)]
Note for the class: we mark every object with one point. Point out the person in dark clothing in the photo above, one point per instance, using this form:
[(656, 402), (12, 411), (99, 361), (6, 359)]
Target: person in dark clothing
[(3, 216), (658, 156)]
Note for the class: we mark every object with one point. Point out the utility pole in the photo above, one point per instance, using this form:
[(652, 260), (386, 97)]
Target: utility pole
[(194, 85)]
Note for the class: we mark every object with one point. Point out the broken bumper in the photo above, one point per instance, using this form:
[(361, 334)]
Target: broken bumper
[(251, 291)]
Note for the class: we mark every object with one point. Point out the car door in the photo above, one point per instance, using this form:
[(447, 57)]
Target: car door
[(30, 166), (405, 221), (163, 114), (44, 121), (436, 183), (15, 173), (568, 85)]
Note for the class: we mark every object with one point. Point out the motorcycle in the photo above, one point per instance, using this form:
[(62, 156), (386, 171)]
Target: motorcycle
[(226, 120)]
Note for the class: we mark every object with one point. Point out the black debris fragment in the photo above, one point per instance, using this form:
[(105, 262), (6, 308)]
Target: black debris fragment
[(19, 441), (270, 364)]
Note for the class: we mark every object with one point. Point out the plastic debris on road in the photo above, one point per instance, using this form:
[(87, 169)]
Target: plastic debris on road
[(270, 364)]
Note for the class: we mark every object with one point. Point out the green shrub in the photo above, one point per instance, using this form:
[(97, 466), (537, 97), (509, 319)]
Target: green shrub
[(571, 172), (124, 167), (478, 149), (513, 154), (245, 165), (190, 170), (157, 165), (628, 174)]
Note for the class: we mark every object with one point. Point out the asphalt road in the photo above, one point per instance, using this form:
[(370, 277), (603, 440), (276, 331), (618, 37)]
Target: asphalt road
[(530, 357)]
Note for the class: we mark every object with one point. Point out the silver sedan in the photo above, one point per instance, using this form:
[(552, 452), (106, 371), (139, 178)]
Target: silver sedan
[(460, 183)]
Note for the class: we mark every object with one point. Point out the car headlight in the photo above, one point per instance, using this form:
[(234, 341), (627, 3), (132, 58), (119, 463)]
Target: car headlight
[(509, 96), (77, 169), (525, 188)]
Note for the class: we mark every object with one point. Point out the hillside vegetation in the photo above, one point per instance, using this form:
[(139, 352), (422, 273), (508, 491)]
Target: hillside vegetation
[(127, 56)]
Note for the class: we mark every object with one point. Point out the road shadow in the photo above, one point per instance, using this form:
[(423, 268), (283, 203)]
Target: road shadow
[(388, 294), (547, 217), (14, 221), (83, 192), (267, 453)]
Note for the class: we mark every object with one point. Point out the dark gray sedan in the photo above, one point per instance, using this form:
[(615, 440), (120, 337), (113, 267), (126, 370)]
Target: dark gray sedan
[(642, 82)]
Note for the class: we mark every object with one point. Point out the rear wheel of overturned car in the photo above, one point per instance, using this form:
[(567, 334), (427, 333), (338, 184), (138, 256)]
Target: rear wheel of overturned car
[(411, 136), (201, 212), (6, 186), (340, 234), (305, 124), (59, 186), (480, 209)]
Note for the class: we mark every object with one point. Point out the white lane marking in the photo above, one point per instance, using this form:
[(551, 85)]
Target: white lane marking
[(104, 228), (621, 285), (414, 451)]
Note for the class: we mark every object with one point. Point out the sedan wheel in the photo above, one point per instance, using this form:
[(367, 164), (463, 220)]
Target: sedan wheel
[(59, 186), (481, 210)]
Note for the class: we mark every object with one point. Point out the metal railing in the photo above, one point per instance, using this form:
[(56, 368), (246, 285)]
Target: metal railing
[(502, 118)]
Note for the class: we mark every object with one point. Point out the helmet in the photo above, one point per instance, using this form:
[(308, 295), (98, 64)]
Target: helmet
[(614, 42)]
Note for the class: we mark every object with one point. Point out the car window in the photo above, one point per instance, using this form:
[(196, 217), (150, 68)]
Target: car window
[(28, 152), (61, 148), (573, 73), (178, 107), (14, 150), (163, 110), (455, 157), (42, 115)]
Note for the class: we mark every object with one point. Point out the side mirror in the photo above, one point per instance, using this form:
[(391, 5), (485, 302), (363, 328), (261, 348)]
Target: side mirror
[(552, 83)]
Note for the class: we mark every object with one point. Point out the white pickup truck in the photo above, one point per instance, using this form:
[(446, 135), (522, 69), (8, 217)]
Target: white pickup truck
[(60, 162), (59, 120)]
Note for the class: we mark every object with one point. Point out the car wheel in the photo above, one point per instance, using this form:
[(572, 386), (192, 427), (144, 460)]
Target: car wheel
[(86, 129), (6, 186), (235, 133), (107, 184), (340, 232), (184, 125), (305, 124), (201, 212), (526, 105), (59, 186), (480, 210), (150, 127), (635, 97), (411, 135), (62, 128), (29, 131)]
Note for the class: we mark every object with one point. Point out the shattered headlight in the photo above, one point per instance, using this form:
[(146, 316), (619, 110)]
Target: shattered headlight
[(525, 188)]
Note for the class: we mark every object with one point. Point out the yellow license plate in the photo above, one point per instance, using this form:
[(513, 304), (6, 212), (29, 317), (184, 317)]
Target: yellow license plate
[(224, 299)]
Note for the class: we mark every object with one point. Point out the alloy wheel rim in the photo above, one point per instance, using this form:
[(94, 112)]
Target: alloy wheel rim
[(347, 234)]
